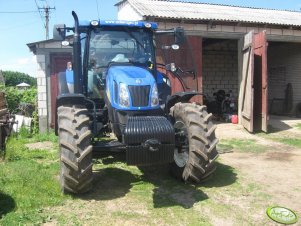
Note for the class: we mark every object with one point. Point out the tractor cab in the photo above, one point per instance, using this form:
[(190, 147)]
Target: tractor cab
[(116, 44)]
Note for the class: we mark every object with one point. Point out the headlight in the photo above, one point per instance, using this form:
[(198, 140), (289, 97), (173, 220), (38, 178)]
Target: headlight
[(154, 96), (124, 97)]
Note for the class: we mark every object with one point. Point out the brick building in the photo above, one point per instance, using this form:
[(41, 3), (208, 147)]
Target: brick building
[(254, 52), (52, 58)]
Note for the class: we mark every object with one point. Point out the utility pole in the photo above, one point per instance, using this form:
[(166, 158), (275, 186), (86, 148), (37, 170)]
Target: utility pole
[(46, 9)]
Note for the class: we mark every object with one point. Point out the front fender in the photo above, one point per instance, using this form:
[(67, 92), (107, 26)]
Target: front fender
[(179, 97)]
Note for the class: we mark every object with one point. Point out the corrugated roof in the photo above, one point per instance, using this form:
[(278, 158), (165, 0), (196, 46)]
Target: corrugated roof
[(213, 12)]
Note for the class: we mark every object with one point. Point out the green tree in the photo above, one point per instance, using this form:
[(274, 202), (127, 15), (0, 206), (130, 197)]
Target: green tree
[(13, 78)]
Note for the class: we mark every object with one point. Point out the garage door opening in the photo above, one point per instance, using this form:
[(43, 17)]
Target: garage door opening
[(284, 71), (220, 77), (237, 68)]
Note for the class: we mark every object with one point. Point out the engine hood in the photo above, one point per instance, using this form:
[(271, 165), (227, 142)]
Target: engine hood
[(131, 75)]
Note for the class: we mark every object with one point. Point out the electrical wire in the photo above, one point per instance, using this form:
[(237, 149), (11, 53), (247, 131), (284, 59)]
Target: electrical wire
[(18, 26), (55, 8), (97, 9), (11, 12), (40, 13)]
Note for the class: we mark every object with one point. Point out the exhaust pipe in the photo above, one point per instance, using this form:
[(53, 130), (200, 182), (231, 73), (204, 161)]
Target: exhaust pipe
[(77, 62)]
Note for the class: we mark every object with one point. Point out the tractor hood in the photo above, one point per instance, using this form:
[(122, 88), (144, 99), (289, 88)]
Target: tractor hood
[(131, 75), (138, 85)]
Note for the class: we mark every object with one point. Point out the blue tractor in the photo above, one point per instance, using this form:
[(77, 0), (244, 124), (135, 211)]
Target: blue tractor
[(118, 90)]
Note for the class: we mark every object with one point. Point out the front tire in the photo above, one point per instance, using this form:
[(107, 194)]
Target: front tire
[(75, 149), (195, 151)]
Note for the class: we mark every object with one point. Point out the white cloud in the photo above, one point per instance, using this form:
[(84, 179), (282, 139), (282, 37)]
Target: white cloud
[(23, 61), (24, 64)]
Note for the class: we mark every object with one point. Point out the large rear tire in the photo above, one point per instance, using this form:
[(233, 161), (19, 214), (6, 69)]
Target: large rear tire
[(75, 149), (195, 151)]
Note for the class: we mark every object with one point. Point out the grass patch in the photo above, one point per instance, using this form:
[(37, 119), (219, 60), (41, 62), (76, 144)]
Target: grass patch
[(16, 150), (28, 182), (240, 146), (290, 141), (121, 194), (298, 126)]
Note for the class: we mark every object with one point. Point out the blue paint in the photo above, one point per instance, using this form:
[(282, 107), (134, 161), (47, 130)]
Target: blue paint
[(131, 76), (159, 77)]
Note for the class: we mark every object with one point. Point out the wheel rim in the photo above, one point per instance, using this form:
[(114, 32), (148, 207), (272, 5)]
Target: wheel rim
[(181, 152)]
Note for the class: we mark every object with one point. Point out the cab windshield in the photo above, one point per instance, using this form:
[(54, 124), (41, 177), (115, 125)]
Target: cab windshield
[(120, 46)]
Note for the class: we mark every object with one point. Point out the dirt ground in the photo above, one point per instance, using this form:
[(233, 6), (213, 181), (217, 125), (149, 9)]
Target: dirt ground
[(278, 169), (244, 186), (46, 145)]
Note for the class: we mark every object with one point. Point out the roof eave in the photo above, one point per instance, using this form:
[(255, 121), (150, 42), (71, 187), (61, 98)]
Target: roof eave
[(119, 3), (226, 21)]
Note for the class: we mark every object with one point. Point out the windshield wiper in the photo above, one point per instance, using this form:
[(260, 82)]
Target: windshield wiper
[(133, 36)]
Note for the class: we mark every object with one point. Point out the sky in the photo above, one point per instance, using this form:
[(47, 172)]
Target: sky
[(22, 23)]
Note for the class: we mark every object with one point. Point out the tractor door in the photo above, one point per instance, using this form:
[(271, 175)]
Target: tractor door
[(253, 85), (187, 59)]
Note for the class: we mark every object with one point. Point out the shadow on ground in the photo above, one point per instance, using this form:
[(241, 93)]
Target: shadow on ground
[(224, 175), (278, 128), (170, 192), (7, 204), (111, 183)]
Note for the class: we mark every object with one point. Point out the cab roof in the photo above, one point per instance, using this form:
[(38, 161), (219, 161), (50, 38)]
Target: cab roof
[(118, 23)]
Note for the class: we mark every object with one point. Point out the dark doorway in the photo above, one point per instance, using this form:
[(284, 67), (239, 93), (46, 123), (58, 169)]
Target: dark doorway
[(58, 64)]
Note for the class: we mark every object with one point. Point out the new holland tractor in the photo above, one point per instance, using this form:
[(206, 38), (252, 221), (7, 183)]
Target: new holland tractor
[(118, 90)]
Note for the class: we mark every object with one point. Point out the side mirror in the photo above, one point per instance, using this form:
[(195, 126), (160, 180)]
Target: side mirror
[(179, 35), (59, 32), (171, 67)]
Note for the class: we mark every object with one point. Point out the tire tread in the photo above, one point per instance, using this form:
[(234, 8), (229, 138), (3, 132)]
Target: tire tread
[(202, 142)]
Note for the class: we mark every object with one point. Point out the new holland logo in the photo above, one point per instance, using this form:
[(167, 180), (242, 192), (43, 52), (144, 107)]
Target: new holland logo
[(138, 81)]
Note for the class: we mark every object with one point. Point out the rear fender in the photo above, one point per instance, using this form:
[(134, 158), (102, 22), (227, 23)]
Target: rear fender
[(179, 97), (68, 99)]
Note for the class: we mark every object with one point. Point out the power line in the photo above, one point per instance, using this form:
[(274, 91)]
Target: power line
[(18, 26), (11, 12), (47, 10), (40, 13)]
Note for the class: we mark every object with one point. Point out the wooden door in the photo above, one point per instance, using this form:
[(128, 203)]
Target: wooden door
[(253, 98), (246, 94)]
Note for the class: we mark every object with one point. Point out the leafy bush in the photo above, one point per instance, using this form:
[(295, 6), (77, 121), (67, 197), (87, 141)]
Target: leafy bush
[(14, 97)]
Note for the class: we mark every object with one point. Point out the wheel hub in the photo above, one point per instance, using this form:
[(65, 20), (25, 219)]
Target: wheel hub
[(181, 151)]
